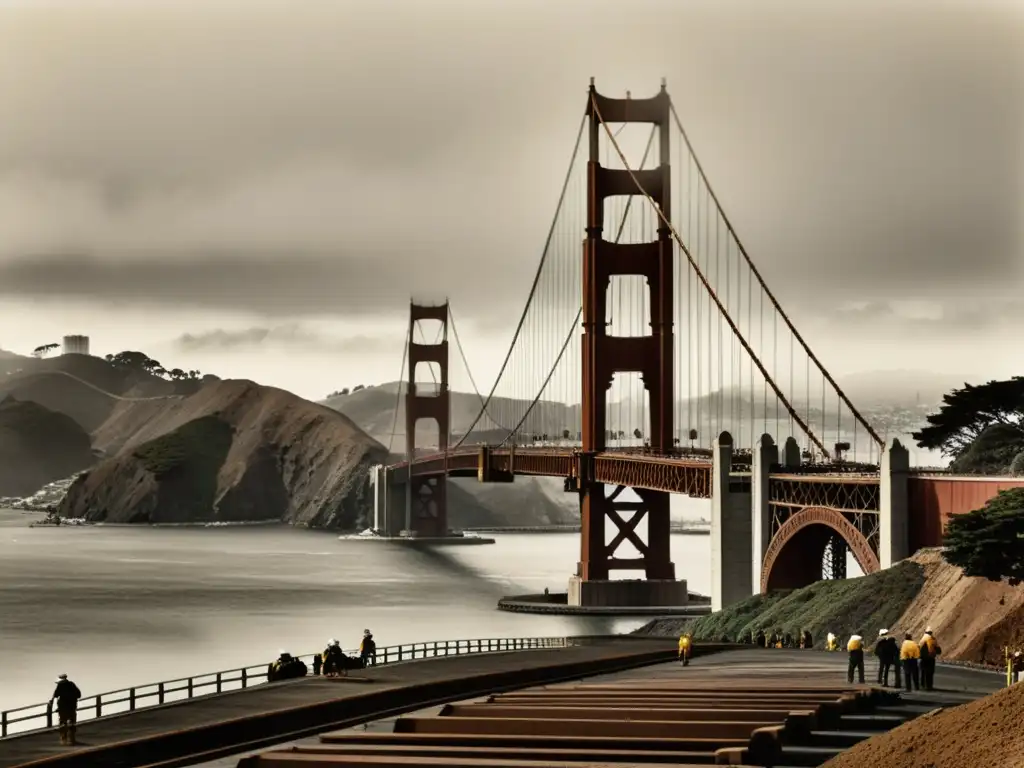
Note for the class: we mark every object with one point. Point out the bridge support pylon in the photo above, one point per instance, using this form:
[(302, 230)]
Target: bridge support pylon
[(732, 527), (605, 355), (426, 498), (893, 512)]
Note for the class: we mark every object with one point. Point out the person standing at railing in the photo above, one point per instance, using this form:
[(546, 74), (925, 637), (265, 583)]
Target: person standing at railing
[(332, 657), (368, 649), (66, 694)]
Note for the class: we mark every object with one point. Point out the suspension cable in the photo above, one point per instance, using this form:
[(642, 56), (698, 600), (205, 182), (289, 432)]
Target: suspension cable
[(700, 275), (771, 297), (465, 363), (398, 389), (579, 313), (533, 288)]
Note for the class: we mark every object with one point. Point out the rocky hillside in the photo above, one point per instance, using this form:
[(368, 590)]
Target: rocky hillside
[(38, 446), (233, 451)]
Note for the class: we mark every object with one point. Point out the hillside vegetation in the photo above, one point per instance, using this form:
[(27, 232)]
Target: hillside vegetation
[(864, 604), (974, 619)]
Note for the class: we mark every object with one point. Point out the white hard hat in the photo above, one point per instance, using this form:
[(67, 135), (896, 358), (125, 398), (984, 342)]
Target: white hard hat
[(332, 641), (883, 632), (282, 652), (928, 630)]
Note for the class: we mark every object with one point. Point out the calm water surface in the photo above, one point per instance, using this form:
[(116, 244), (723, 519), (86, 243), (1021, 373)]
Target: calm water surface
[(115, 607)]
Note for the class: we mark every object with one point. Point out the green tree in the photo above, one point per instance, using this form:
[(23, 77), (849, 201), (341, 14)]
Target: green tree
[(989, 542), (966, 412)]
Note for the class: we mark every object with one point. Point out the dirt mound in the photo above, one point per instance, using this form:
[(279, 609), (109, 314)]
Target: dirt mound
[(38, 446), (985, 732), (232, 451), (972, 618), (83, 387), (843, 607)]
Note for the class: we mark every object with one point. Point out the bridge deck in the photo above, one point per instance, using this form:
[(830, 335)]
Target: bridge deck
[(289, 706)]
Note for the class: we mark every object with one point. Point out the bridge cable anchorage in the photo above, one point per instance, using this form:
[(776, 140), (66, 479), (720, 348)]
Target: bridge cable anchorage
[(469, 371), (398, 391), (700, 276), (764, 286), (533, 287), (572, 330)]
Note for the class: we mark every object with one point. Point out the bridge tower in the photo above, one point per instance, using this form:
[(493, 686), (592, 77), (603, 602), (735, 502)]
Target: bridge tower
[(426, 498), (605, 355)]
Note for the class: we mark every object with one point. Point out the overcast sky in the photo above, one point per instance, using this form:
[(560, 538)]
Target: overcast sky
[(254, 188)]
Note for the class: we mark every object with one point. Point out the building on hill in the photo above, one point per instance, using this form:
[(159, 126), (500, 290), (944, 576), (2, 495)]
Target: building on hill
[(76, 345)]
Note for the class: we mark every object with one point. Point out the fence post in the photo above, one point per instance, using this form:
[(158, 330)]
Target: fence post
[(191, 688), (160, 693), (399, 653), (245, 677), (3, 724), (218, 682), (99, 705), (49, 714), (131, 699)]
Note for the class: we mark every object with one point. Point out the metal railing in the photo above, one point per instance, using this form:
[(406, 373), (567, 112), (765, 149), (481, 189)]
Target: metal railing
[(36, 717)]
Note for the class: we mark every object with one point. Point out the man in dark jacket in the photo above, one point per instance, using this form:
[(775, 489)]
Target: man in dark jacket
[(888, 655), (66, 694)]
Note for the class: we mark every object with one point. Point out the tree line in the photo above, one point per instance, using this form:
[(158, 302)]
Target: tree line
[(988, 542)]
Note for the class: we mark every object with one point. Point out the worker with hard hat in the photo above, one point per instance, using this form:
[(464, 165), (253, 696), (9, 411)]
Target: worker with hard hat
[(855, 649), (929, 651), (910, 655)]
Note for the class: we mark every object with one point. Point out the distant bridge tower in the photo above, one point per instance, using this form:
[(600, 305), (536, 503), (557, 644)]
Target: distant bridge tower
[(426, 500), (76, 345), (605, 355)]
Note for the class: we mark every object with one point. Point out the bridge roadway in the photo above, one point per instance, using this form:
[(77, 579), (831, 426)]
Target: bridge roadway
[(274, 712), (684, 473)]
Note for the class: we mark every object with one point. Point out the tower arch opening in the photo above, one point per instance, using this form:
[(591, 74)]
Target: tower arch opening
[(799, 547)]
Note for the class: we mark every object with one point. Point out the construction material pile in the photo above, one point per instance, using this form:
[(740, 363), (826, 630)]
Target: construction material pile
[(986, 732)]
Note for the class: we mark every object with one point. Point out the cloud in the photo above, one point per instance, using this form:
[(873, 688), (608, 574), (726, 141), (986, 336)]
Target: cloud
[(947, 319), (258, 159), (293, 337)]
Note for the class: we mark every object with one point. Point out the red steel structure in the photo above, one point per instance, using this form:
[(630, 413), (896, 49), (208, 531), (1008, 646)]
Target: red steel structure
[(604, 355), (426, 494)]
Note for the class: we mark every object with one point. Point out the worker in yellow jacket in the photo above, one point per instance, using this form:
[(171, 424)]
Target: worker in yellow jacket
[(831, 642), (855, 648), (685, 648), (910, 654), (929, 650)]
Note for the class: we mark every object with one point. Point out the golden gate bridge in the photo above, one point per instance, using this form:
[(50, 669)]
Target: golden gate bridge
[(651, 357)]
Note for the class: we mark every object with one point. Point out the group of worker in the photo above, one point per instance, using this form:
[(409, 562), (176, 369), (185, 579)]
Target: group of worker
[(915, 660), (780, 639), (330, 663)]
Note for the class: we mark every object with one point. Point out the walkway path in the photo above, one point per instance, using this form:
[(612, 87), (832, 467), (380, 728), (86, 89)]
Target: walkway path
[(315, 703), (739, 690)]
